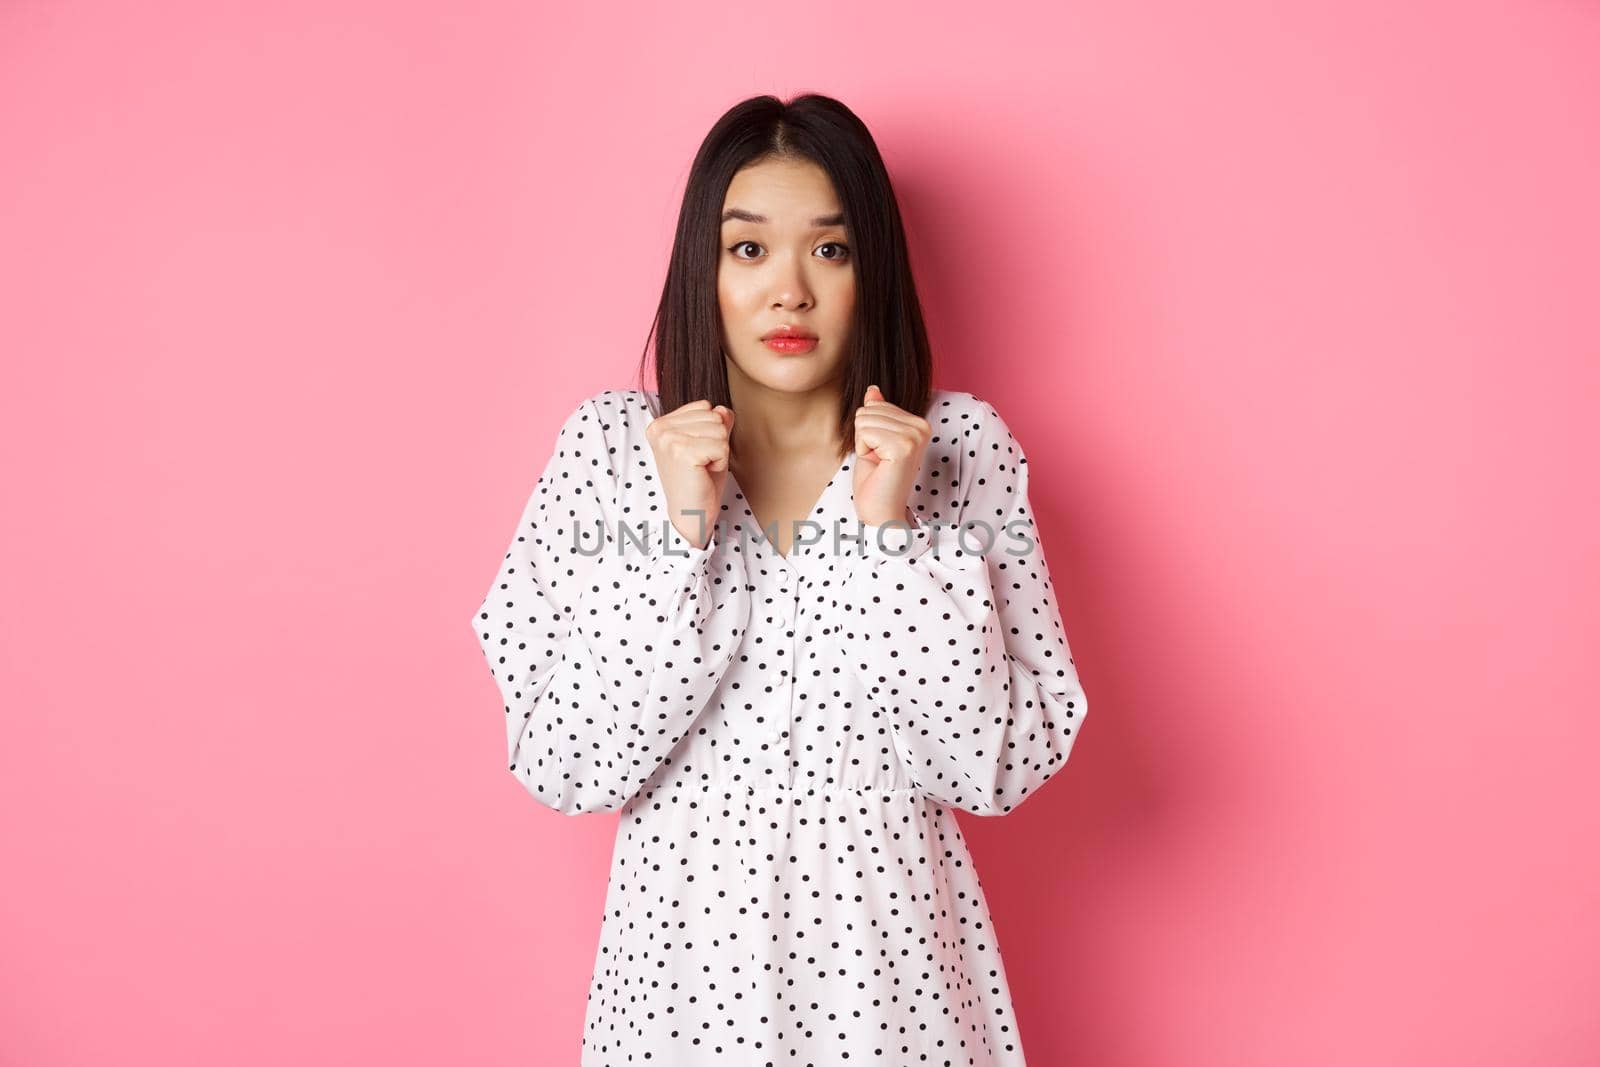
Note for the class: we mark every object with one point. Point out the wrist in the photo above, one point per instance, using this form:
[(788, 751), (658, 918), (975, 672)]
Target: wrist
[(674, 542), (900, 538), (691, 528)]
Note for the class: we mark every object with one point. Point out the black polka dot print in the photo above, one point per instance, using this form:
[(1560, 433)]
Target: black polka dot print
[(785, 738)]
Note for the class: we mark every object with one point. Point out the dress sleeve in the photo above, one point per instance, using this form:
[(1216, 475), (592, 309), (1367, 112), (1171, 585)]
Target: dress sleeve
[(605, 651), (956, 633)]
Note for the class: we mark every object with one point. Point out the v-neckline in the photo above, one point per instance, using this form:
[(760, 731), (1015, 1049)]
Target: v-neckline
[(759, 534)]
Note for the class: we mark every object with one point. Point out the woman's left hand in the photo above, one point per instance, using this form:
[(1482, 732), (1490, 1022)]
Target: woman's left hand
[(890, 442)]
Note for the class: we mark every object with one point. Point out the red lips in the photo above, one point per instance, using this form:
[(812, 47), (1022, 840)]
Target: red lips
[(795, 332)]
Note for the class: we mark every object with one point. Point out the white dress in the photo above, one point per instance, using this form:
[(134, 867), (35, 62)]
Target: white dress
[(784, 738)]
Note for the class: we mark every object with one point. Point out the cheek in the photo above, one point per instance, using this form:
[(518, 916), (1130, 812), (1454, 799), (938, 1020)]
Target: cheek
[(843, 298), (732, 295)]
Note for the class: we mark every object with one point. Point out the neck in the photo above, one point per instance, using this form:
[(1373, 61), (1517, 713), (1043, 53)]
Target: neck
[(772, 423)]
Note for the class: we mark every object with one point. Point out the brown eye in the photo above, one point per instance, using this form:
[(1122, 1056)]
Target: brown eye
[(844, 250), (735, 248)]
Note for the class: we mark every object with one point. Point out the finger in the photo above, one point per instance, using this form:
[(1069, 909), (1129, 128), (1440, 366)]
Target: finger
[(889, 417), (702, 421), (896, 453), (890, 449), (700, 434), (875, 402), (712, 455), (888, 442), (705, 420), (705, 414), (697, 451)]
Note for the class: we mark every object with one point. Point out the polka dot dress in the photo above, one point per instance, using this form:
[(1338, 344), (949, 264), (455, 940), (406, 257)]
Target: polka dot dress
[(785, 738)]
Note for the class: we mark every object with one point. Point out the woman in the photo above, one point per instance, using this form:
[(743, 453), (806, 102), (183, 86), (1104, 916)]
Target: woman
[(784, 718)]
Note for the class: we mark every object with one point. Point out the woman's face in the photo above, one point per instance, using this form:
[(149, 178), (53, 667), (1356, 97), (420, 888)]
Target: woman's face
[(785, 261)]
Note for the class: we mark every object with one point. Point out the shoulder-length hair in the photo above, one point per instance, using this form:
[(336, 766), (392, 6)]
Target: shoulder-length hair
[(888, 341)]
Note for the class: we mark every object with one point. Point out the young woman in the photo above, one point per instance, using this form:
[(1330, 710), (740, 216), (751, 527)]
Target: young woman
[(784, 645)]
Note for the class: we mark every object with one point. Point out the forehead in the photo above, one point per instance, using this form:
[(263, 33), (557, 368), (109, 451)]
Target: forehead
[(786, 192)]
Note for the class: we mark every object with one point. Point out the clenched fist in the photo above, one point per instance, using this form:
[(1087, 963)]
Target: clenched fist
[(691, 450), (890, 442)]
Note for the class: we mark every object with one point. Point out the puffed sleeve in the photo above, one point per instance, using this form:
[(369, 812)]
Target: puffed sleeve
[(605, 651), (956, 633)]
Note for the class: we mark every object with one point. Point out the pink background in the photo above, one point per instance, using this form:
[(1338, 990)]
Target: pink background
[(1293, 307)]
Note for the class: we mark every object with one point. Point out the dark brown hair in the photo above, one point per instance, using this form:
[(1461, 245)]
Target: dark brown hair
[(888, 342)]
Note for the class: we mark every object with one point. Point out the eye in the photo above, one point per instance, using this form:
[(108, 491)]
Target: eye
[(844, 250), (734, 248)]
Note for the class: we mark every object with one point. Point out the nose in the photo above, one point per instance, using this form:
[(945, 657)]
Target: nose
[(789, 289)]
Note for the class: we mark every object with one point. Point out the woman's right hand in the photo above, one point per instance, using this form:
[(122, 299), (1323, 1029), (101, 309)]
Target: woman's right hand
[(691, 450)]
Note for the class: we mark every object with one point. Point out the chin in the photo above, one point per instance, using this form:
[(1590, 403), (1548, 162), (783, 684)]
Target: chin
[(786, 374)]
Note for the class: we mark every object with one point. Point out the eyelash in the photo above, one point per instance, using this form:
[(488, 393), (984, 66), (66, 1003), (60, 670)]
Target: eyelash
[(734, 248)]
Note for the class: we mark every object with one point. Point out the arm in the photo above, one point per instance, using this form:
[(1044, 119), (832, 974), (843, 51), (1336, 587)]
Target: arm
[(604, 658), (959, 641)]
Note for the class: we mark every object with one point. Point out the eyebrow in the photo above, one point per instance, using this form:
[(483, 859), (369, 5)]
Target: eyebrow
[(735, 213)]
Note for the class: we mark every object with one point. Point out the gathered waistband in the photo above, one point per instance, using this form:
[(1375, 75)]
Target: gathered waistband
[(842, 792)]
